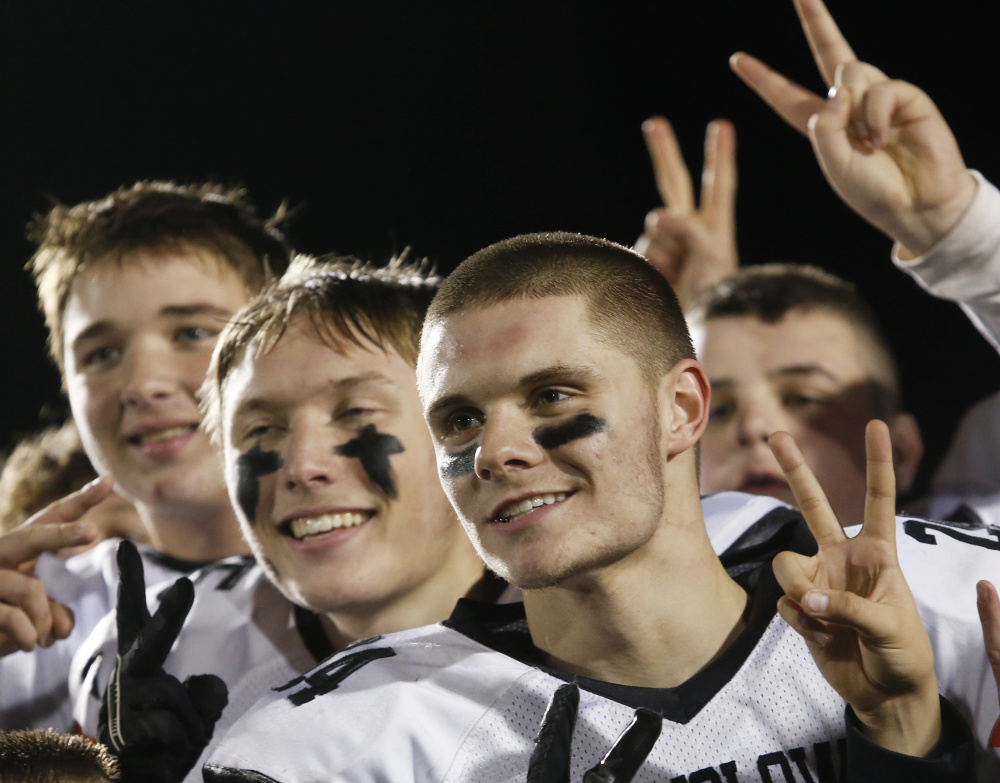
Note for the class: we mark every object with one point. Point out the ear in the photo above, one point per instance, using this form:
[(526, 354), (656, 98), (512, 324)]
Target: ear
[(907, 449), (684, 397)]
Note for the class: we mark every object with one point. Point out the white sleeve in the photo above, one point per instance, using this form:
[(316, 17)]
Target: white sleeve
[(964, 266)]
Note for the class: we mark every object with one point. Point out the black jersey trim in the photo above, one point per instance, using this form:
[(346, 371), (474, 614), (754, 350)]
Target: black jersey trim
[(213, 773), (502, 628), (312, 634), (171, 562)]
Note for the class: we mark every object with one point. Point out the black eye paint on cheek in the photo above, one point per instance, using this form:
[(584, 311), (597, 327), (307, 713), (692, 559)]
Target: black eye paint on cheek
[(373, 449), (459, 464), (249, 468), (582, 425)]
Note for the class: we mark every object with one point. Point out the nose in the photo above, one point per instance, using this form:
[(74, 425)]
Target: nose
[(756, 424), (505, 446), (309, 459), (151, 374)]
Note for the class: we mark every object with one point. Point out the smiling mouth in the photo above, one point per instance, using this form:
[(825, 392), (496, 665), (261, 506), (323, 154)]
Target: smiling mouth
[(305, 528), (159, 436), (517, 510)]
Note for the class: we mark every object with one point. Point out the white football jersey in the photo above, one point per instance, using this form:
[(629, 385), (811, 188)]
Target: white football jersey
[(34, 691), (237, 622), (462, 702)]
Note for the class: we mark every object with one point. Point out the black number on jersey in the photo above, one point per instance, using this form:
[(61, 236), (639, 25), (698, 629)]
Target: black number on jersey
[(321, 681), (236, 572), (919, 529)]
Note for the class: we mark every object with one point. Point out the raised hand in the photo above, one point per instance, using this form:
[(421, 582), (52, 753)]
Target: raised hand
[(156, 725), (988, 604), (854, 609), (694, 246), (550, 760), (28, 617), (882, 143)]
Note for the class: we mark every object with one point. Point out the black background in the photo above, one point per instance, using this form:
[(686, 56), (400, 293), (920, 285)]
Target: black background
[(447, 126)]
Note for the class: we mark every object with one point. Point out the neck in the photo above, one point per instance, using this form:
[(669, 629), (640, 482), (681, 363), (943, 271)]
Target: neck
[(653, 619), (198, 533), (459, 575)]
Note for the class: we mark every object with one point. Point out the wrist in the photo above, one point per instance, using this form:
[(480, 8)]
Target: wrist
[(931, 225), (909, 724)]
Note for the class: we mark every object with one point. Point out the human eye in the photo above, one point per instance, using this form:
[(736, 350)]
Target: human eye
[(801, 400), (101, 356), (550, 396), (195, 334), (721, 411), (462, 423)]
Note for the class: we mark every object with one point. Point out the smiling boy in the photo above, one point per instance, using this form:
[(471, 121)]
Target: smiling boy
[(135, 287)]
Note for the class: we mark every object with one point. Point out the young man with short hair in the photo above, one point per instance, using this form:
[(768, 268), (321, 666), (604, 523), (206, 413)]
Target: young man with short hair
[(134, 287), (560, 388)]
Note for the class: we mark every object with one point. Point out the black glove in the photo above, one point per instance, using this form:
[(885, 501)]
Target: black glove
[(551, 756), (156, 725)]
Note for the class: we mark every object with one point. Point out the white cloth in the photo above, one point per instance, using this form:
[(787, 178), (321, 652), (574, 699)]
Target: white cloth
[(964, 267)]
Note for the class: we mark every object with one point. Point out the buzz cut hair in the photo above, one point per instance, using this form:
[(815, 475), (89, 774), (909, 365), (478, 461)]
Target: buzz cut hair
[(769, 292), (343, 301), (46, 756), (156, 217), (630, 305)]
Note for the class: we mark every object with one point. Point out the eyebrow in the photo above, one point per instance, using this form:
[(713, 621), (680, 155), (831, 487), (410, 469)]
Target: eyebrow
[(101, 328), (792, 371), (345, 385), (555, 372)]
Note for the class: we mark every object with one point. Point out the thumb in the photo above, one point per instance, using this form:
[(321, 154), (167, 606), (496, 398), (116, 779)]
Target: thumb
[(828, 132), (869, 619)]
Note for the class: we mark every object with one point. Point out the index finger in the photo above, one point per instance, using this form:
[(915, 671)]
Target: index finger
[(29, 541), (793, 102), (75, 505), (809, 496), (828, 45), (718, 178), (880, 496), (673, 181)]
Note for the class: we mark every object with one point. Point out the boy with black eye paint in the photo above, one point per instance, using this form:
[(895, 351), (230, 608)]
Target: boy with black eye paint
[(312, 394), (560, 367), (134, 287)]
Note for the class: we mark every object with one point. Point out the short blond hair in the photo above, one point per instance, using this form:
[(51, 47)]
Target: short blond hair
[(341, 299)]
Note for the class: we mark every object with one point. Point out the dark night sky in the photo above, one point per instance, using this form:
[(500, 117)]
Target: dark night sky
[(447, 126)]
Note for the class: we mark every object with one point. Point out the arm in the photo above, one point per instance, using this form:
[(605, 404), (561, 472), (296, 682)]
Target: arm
[(989, 615), (693, 246)]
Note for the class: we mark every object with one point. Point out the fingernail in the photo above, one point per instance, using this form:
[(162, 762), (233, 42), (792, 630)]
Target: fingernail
[(834, 96), (647, 126), (981, 593), (815, 602), (46, 641), (860, 130), (822, 639), (876, 139)]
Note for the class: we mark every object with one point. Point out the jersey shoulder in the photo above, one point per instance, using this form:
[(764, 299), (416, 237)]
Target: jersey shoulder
[(356, 709)]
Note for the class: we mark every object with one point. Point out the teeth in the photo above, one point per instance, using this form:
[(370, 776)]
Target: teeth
[(161, 435), (516, 510), (314, 526)]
